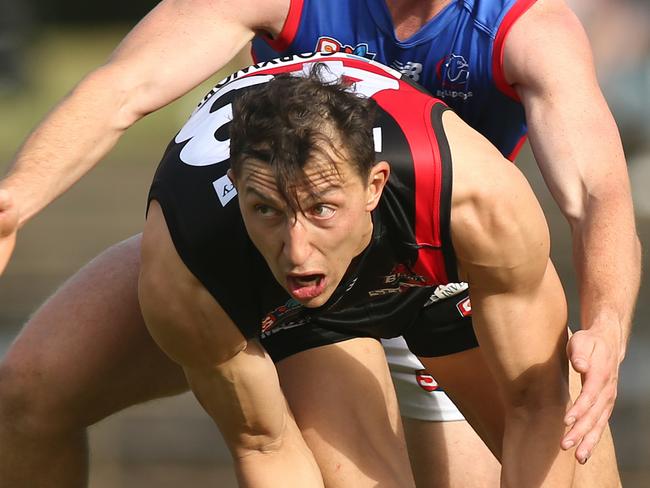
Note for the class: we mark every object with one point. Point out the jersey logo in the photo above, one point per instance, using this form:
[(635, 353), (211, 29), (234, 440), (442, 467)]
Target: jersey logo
[(327, 44), (426, 381), (453, 73), (446, 291), (410, 69), (464, 307), (284, 317), (399, 280), (225, 189)]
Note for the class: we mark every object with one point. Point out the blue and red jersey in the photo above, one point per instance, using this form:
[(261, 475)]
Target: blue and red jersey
[(457, 55)]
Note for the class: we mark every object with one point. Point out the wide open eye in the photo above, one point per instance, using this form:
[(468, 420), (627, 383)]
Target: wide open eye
[(265, 210), (322, 211)]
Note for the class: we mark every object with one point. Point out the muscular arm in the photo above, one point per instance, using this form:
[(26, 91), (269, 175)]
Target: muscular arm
[(577, 146), (234, 380), (518, 307), (179, 44)]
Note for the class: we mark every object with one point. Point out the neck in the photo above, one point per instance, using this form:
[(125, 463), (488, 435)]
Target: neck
[(410, 15)]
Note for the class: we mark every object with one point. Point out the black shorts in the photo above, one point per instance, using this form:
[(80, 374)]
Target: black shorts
[(442, 327)]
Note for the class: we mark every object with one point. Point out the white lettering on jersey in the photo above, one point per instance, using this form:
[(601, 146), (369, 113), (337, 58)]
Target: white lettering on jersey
[(410, 69), (204, 149), (443, 292)]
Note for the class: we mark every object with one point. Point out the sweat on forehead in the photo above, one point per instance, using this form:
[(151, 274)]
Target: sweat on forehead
[(290, 121)]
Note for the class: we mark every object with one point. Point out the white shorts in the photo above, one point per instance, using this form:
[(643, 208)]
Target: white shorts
[(418, 394)]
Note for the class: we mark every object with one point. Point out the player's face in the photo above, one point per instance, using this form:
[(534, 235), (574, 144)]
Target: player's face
[(309, 252)]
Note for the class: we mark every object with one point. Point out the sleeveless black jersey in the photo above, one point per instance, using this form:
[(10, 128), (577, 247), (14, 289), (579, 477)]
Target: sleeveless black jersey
[(410, 252)]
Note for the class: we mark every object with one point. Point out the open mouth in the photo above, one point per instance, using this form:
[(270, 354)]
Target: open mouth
[(304, 287)]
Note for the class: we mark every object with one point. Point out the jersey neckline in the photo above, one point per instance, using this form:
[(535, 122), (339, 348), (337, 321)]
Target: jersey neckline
[(384, 21)]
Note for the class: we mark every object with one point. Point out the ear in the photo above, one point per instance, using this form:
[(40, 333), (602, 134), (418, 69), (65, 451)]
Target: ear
[(377, 180)]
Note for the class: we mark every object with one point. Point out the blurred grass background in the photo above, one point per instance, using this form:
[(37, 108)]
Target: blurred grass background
[(171, 442)]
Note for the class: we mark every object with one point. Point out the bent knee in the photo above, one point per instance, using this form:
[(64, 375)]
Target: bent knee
[(31, 405)]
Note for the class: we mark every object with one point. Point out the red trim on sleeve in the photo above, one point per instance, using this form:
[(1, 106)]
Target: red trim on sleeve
[(515, 152), (425, 152), (289, 29), (516, 11), (431, 261)]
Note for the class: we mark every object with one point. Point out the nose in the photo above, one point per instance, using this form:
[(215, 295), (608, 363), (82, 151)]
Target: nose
[(296, 244)]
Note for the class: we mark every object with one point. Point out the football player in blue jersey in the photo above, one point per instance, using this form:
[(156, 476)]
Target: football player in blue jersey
[(544, 61)]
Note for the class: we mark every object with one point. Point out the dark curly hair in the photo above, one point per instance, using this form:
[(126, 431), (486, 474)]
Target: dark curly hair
[(292, 120)]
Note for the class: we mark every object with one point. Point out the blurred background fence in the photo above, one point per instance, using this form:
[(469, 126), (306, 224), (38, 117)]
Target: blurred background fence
[(47, 45)]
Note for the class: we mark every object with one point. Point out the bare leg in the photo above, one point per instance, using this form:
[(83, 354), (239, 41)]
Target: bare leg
[(345, 405), (466, 378), (602, 469), (84, 355), (449, 454), (444, 450)]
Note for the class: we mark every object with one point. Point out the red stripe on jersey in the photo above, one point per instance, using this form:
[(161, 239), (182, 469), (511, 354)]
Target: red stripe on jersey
[(289, 29), (412, 111), (517, 10), (515, 152)]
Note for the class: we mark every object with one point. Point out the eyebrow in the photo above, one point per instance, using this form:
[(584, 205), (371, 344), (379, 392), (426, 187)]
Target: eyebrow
[(312, 197), (261, 195)]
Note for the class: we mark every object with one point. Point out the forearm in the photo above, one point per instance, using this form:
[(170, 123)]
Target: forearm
[(244, 398), (69, 142), (607, 256)]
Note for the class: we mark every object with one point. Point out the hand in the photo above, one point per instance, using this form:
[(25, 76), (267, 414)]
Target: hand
[(596, 356), (8, 228)]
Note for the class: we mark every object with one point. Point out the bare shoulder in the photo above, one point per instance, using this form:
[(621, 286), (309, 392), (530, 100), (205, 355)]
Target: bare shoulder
[(496, 220), (549, 36)]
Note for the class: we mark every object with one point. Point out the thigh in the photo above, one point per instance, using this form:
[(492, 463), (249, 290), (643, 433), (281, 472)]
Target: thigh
[(344, 403), (468, 381), (443, 448), (449, 454), (602, 469), (86, 352)]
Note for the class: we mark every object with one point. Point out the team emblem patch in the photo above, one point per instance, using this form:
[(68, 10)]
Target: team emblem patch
[(464, 307), (326, 44), (426, 381), (453, 73)]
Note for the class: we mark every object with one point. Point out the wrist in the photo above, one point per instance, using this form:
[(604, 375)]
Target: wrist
[(609, 327)]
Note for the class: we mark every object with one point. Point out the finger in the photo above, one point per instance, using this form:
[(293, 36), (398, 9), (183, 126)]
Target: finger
[(586, 448), (589, 420), (580, 349), (595, 382), (5, 198), (7, 245), (8, 215)]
